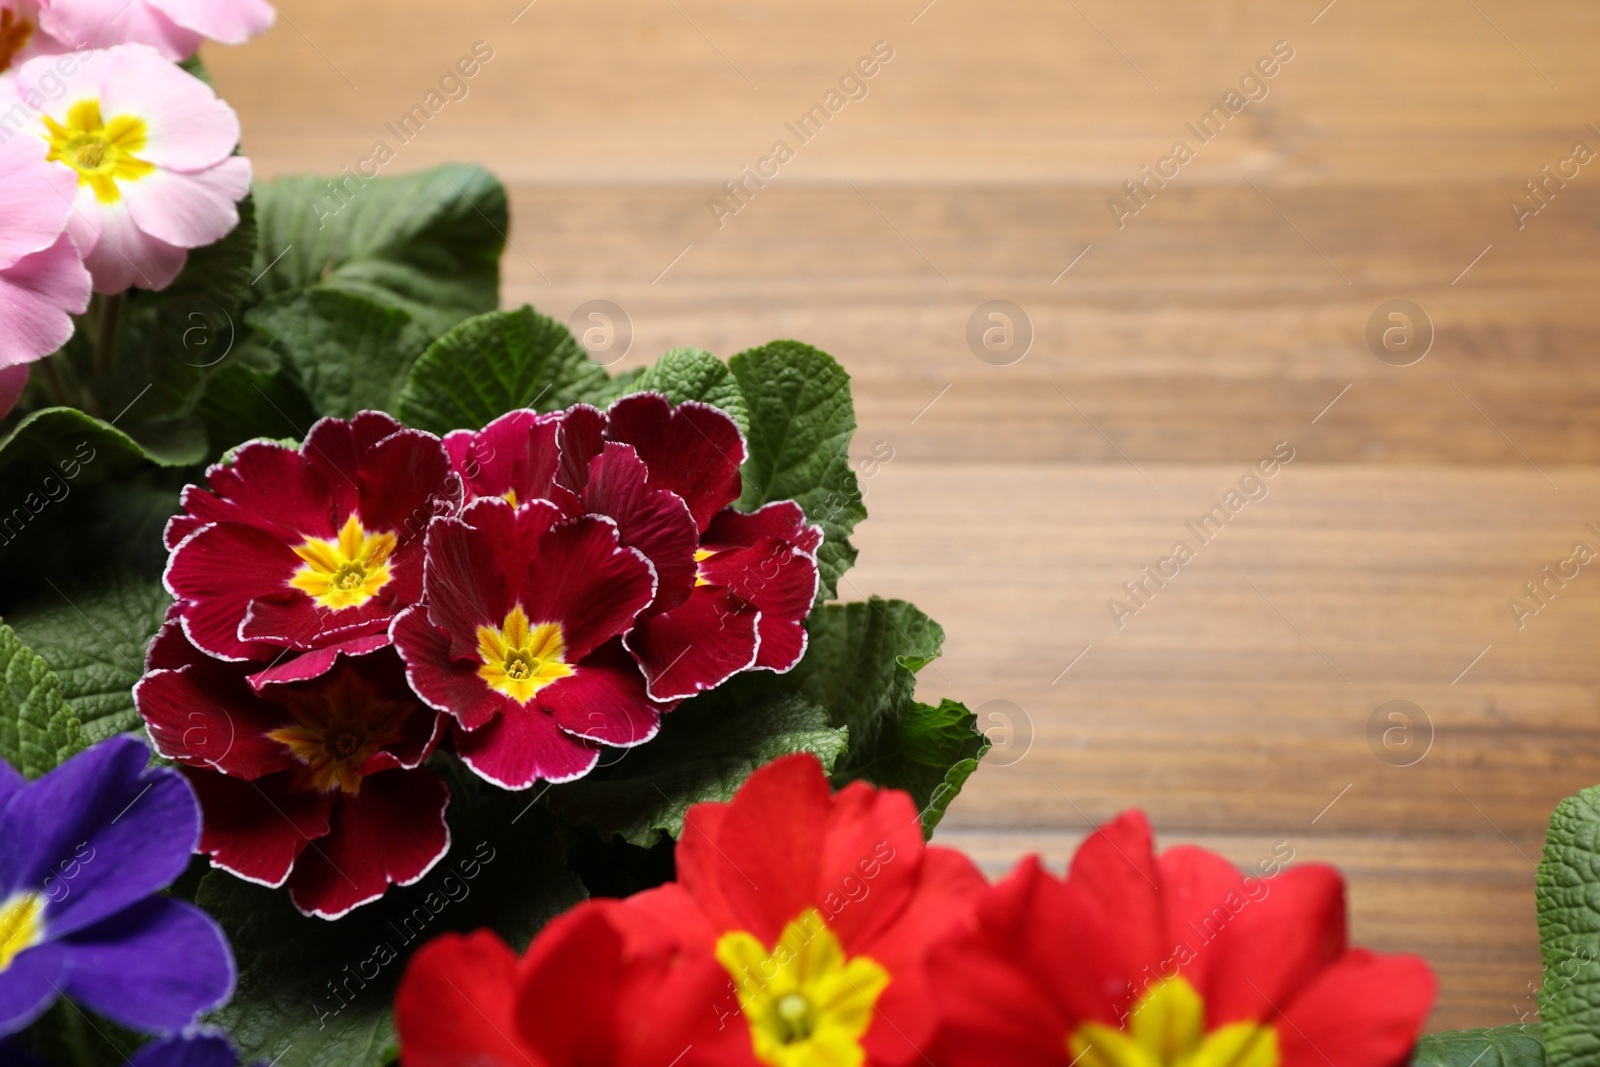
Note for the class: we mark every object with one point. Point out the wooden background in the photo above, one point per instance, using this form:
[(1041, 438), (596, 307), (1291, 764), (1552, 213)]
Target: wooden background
[(1223, 318)]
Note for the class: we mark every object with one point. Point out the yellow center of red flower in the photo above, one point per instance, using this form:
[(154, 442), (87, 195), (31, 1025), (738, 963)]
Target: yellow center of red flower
[(101, 152), (700, 556), (21, 925), (1167, 1028), (806, 1002), (348, 570), (337, 729), (15, 32), (519, 658)]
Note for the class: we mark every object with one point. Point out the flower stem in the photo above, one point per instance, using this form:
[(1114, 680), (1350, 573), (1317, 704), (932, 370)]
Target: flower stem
[(108, 333), (51, 373)]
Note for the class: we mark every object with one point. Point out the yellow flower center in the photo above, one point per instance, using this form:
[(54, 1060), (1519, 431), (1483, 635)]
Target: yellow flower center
[(337, 729), (101, 152), (21, 925), (700, 556), (806, 1003), (345, 572), (15, 32), (519, 659), (1167, 1028)]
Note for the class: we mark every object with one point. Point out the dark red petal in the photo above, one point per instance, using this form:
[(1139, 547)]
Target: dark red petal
[(581, 438), (406, 481), (1364, 1011), (393, 831), (516, 453), (335, 449), (291, 618), (782, 520), (693, 450), (257, 829), (522, 746), (654, 521), (1278, 938), (781, 582), (477, 564), (200, 711), (756, 866), (457, 1004), (217, 571), (697, 645), (449, 685), (317, 662), (583, 579), (270, 486), (605, 700)]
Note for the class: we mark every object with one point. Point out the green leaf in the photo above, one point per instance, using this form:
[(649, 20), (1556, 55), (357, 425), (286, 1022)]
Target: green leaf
[(694, 374), (493, 364), (56, 435), (94, 639), (1568, 890), (349, 352), (315, 992), (705, 751), (1502, 1046), (861, 665), (801, 419), (252, 397), (37, 729), (930, 752), (429, 242)]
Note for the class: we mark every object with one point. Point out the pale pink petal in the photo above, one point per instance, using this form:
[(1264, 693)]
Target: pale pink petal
[(126, 256), (39, 43), (189, 128), (227, 21), (189, 210), (83, 225), (85, 24), (35, 295), (51, 85), (13, 380), (35, 198)]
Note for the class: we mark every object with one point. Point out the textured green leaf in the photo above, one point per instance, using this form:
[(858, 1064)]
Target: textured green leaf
[(1568, 888), (429, 242), (861, 665), (37, 729), (1502, 1046), (253, 396), (313, 992), (493, 364), (695, 374), (54, 435), (705, 751), (801, 418), (348, 352), (94, 639)]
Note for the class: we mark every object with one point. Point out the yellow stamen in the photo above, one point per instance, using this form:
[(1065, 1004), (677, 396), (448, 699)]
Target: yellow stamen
[(21, 925), (337, 729), (806, 1003), (1167, 1028), (519, 659), (345, 572), (101, 152), (700, 556)]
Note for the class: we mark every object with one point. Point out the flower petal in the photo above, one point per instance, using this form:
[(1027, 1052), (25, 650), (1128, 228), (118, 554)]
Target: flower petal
[(30, 985), (124, 256), (226, 21), (218, 570), (35, 198), (36, 294), (698, 645), (105, 23), (693, 450), (1364, 1011), (457, 1003), (188, 128), (523, 745), (258, 829), (654, 521), (154, 966), (189, 209), (13, 380), (605, 700), (129, 830), (196, 1050), (443, 683), (393, 831)]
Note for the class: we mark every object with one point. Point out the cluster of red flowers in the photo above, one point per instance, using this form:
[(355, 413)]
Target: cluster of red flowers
[(525, 594), (810, 929)]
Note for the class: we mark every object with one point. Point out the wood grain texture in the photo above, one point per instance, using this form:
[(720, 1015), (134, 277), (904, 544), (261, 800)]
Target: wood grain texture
[(1227, 315)]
